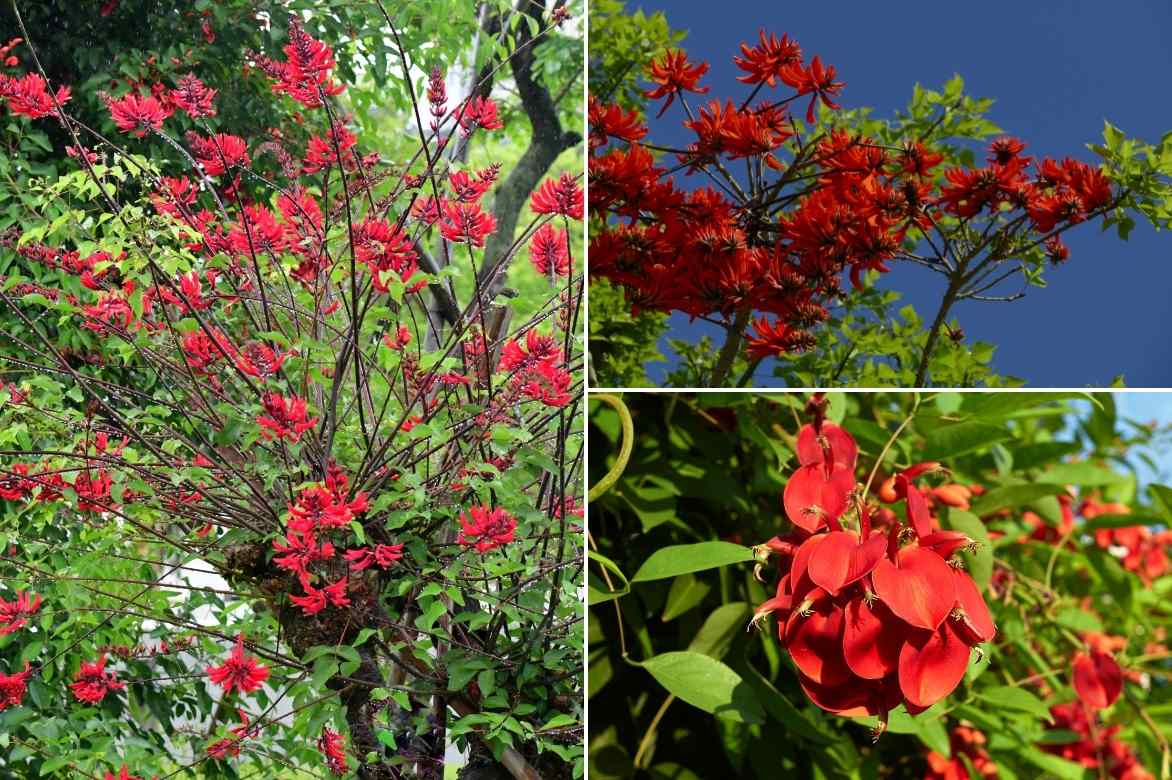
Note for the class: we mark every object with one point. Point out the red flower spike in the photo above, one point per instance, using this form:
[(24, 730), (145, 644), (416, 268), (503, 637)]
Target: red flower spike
[(919, 587), (814, 641), (872, 639), (1098, 680), (93, 682), (931, 665), (975, 620)]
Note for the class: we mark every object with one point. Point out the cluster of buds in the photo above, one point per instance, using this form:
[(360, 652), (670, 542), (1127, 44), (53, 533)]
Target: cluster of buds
[(871, 619)]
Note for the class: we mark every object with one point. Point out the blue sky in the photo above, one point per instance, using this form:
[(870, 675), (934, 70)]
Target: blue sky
[(1057, 70)]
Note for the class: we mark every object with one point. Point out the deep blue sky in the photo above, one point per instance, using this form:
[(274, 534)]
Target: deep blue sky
[(1056, 70)]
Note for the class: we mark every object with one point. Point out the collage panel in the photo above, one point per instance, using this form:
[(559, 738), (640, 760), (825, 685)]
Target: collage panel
[(878, 197), (879, 585), (291, 389)]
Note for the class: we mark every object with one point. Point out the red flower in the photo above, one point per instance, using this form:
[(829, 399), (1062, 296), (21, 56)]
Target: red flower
[(14, 614), (549, 383), (774, 340), (312, 602), (966, 742), (194, 97), (123, 774), (382, 556), (538, 348), (137, 115), (868, 621), (466, 223), (300, 550), (816, 81), (477, 112), (387, 251), (333, 747), (286, 418), (239, 671), (230, 746), (399, 339), (13, 687), (549, 250), (610, 121), (320, 153), (29, 95), (767, 62), (562, 196), (93, 682), (1098, 680), (305, 76), (485, 528), (260, 360), (671, 74), (219, 152)]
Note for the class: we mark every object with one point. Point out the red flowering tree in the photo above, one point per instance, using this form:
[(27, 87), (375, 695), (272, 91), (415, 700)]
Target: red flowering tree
[(264, 509), (940, 587), (773, 221)]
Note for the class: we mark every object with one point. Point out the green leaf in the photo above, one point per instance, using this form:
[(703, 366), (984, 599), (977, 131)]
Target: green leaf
[(719, 629), (1120, 521), (1011, 698), (1081, 474), (980, 562), (1163, 496), (1013, 496), (686, 593), (954, 439), (683, 558), (597, 595), (706, 684), (1060, 767)]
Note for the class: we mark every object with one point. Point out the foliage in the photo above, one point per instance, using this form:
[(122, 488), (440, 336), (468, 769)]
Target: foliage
[(1065, 540), (238, 452)]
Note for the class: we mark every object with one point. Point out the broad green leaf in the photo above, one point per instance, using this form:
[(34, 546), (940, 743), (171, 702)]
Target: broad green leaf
[(953, 439), (720, 629), (1014, 698), (706, 684), (1013, 496), (686, 592), (683, 558)]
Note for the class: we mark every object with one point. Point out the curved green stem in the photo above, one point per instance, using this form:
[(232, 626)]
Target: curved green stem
[(625, 445)]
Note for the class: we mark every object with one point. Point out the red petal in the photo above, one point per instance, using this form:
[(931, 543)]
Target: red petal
[(931, 665), (977, 621), (830, 561), (917, 512), (1098, 680), (871, 639), (854, 698), (814, 642), (920, 587), (843, 450), (865, 558), (803, 498)]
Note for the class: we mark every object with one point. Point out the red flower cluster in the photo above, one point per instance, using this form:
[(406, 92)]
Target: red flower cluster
[(476, 112), (305, 75), (13, 687), (869, 621), (14, 615), (285, 417), (1097, 746), (388, 252), (239, 671), (537, 369), (1138, 548), (549, 251), (466, 223), (318, 510), (219, 152), (137, 114), (1098, 680), (93, 682), (230, 746), (965, 743), (558, 196), (486, 528), (29, 95), (383, 556), (333, 747), (123, 774), (194, 97), (746, 244)]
